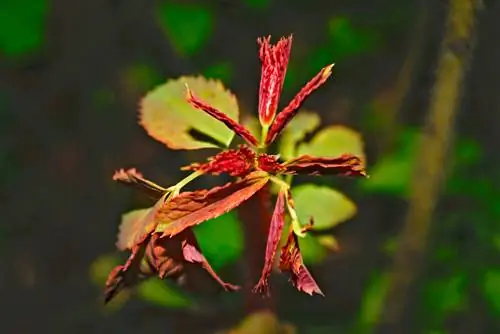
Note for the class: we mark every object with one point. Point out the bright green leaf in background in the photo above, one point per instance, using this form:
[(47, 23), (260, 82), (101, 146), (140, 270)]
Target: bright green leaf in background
[(163, 294), (444, 296), (327, 206), (22, 26), (187, 26), (222, 71), (334, 141), (313, 252), (263, 322), (221, 239), (372, 303), (169, 118), (305, 122), (491, 289), (257, 4)]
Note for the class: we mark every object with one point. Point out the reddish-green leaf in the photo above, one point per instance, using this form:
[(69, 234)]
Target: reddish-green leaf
[(192, 208)]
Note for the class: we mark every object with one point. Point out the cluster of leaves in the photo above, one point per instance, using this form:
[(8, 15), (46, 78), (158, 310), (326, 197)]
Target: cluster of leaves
[(161, 239)]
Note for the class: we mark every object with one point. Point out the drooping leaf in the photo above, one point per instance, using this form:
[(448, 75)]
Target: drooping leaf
[(328, 206), (347, 165), (334, 141), (159, 293), (491, 288), (291, 262), (169, 118), (178, 259), (192, 208), (22, 26), (221, 239), (273, 239), (289, 112), (302, 124), (132, 177), (187, 26)]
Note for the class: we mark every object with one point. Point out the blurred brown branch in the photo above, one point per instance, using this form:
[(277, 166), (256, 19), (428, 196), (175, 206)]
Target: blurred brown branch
[(437, 138)]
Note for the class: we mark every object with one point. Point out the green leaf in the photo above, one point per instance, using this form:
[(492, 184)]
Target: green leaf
[(170, 119), (302, 124), (257, 4), (445, 295), (491, 289), (327, 206), (22, 24), (221, 239), (160, 293), (312, 251), (222, 71), (373, 299), (346, 40), (393, 172), (262, 322), (333, 141), (187, 26)]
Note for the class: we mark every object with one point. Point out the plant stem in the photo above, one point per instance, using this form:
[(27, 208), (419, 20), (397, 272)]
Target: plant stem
[(429, 172), (256, 217)]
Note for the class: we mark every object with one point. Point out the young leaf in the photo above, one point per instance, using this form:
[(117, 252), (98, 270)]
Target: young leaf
[(334, 141), (328, 206), (302, 124), (291, 262), (170, 119), (289, 112), (192, 208), (273, 239)]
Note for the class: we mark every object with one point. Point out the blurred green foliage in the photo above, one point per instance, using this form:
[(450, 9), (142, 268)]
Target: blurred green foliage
[(257, 4), (187, 26), (22, 26)]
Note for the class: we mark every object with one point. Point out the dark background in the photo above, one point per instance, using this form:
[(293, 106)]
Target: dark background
[(72, 73)]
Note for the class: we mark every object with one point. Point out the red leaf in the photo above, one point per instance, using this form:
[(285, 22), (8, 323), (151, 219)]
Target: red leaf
[(237, 162), (192, 208), (291, 262), (269, 163), (275, 230), (239, 129), (178, 259), (132, 177), (291, 109), (346, 164), (274, 61)]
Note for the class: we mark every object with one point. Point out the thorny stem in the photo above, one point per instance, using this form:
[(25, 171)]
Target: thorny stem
[(429, 174)]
